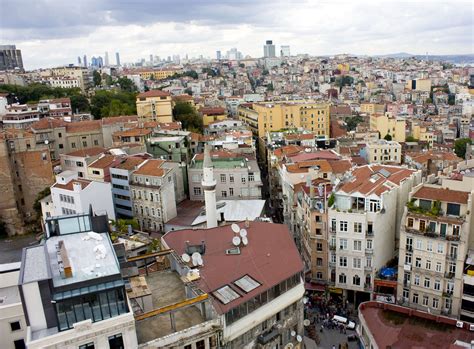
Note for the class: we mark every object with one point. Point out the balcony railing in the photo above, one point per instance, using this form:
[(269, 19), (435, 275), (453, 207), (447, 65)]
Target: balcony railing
[(369, 233), (332, 247), (449, 275), (409, 248), (431, 234), (448, 294), (452, 256), (368, 268), (369, 251)]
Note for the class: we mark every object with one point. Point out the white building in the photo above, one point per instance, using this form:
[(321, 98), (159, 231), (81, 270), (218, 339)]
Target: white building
[(383, 152), (72, 290), (364, 223), (12, 319), (71, 195)]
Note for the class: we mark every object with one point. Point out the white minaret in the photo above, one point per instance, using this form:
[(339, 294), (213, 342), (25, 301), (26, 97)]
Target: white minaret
[(209, 187)]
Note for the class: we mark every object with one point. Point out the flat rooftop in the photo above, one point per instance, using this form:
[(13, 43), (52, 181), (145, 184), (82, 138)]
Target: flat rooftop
[(166, 288), (90, 254), (9, 295), (394, 329)]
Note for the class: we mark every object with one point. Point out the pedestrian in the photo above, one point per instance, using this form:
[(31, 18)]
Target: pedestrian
[(333, 347)]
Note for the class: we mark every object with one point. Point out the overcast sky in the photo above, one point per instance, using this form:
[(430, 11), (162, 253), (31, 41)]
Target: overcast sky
[(55, 32)]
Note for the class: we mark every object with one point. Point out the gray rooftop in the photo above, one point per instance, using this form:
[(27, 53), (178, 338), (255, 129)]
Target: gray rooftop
[(235, 210), (9, 295), (35, 265)]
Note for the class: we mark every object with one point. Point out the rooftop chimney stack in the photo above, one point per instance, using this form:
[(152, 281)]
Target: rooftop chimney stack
[(209, 187)]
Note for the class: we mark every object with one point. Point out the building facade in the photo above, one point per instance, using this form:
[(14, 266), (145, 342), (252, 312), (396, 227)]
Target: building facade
[(155, 105)]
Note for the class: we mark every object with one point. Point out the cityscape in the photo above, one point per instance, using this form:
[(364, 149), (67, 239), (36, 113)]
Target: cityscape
[(236, 175)]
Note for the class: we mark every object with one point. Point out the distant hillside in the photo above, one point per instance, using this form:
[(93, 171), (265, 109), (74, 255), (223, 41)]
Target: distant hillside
[(468, 58)]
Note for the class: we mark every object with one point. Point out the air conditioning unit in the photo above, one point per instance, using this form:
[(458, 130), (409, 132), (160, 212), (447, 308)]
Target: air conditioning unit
[(460, 324), (471, 327)]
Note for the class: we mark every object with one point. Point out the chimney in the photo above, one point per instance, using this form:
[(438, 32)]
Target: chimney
[(247, 223), (222, 217), (76, 186)]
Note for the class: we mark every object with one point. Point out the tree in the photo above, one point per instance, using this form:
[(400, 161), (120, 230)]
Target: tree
[(429, 101), (353, 121), (113, 103), (126, 84), (241, 65), (188, 116), (189, 91), (270, 87), (80, 103), (388, 137), (411, 139), (460, 146), (96, 78)]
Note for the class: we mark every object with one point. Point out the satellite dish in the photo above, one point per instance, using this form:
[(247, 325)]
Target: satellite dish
[(196, 255), (200, 262), (235, 228), (195, 262), (243, 233), (236, 241), (293, 333), (185, 257), (245, 241), (306, 322), (299, 338), (305, 300), (46, 142), (321, 211)]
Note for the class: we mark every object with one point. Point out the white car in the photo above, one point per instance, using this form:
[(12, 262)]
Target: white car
[(350, 325)]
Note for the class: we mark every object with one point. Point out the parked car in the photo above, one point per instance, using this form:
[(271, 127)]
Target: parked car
[(350, 325)]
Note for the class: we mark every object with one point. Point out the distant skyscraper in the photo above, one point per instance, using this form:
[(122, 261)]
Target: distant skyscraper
[(79, 63), (151, 59), (85, 61), (10, 57), (117, 58), (234, 55), (285, 50), (218, 55), (106, 59), (268, 49)]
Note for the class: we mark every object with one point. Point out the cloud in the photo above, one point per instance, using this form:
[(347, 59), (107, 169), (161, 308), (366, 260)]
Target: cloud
[(55, 32)]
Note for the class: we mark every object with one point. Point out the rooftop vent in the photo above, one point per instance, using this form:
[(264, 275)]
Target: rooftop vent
[(64, 264), (233, 251)]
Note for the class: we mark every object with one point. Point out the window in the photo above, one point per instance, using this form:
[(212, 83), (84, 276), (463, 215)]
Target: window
[(447, 303), (319, 246), (116, 342), (87, 346), (96, 142), (408, 258), (452, 268), (319, 262), (357, 245), (415, 297), (73, 145), (343, 261), (422, 225), (200, 344), (342, 278), (19, 344), (438, 267), (223, 178), (429, 246), (224, 193), (368, 261), (197, 190), (61, 146), (231, 178), (425, 300), (357, 227), (416, 281), (343, 226), (356, 263), (428, 264), (456, 230), (427, 282), (95, 172), (435, 303), (243, 180), (247, 284), (453, 209), (15, 326), (418, 262), (440, 248), (343, 244), (231, 191), (419, 244), (84, 144), (437, 285), (226, 294), (356, 280), (251, 177), (369, 245)]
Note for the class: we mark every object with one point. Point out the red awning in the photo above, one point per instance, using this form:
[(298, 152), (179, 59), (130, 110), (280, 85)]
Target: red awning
[(314, 287)]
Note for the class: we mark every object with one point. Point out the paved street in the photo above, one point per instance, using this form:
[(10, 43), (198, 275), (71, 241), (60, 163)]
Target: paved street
[(11, 248)]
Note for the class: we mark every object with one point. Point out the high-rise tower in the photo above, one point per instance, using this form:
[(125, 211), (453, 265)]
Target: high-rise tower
[(209, 187), (269, 49)]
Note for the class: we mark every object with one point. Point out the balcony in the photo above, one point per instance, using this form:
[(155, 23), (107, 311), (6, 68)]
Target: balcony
[(369, 251), (448, 294), (332, 247), (332, 264), (430, 234), (449, 275), (369, 234), (368, 268), (367, 287), (409, 248), (452, 257)]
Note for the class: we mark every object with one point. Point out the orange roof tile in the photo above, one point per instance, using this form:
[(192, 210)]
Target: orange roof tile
[(442, 194), (151, 167)]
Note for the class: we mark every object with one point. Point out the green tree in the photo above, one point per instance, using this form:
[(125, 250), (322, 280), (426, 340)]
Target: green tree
[(188, 116), (96, 78), (270, 87), (126, 84), (460, 146), (34, 92), (429, 101), (80, 103), (113, 103), (188, 91), (37, 203), (411, 139), (388, 137), (241, 65), (353, 121)]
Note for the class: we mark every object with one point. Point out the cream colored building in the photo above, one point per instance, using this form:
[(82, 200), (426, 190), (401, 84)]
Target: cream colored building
[(434, 240), (155, 105), (80, 74), (275, 116), (419, 85), (372, 108), (388, 125), (422, 134), (383, 152)]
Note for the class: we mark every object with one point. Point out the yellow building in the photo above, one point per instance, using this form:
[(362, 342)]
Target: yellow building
[(156, 74), (276, 116), (212, 114), (388, 125), (419, 85), (344, 67), (371, 108), (154, 105), (422, 134)]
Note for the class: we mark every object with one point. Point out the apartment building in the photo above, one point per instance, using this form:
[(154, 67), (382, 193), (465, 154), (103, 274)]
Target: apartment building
[(79, 160), (258, 304), (364, 224), (155, 105), (20, 116), (212, 114), (385, 124), (275, 116), (58, 107), (65, 82), (382, 152), (422, 133), (26, 170), (312, 212), (72, 292), (434, 241), (12, 318), (153, 195), (237, 176), (71, 194), (80, 74)]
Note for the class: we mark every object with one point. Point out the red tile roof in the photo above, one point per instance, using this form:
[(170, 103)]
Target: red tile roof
[(69, 186), (270, 258), (212, 111), (151, 167), (103, 162), (153, 93), (87, 152), (320, 154), (442, 194)]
